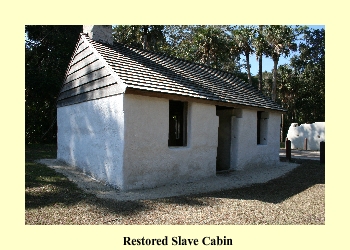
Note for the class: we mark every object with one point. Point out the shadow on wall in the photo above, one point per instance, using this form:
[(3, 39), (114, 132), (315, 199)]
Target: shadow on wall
[(92, 138)]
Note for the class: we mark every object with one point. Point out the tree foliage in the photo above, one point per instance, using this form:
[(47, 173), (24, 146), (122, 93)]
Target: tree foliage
[(302, 82), (243, 38), (261, 47), (280, 41), (48, 50), (309, 66), (149, 37), (210, 46), (206, 44), (298, 86)]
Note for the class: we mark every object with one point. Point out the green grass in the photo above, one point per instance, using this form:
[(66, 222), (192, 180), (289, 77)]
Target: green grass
[(44, 186), (40, 151), (51, 199)]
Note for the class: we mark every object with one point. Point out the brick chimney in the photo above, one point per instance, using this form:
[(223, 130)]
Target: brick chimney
[(99, 33)]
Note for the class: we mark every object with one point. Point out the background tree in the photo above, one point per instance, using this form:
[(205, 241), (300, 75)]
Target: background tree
[(301, 88), (267, 78), (149, 37), (178, 38), (302, 82), (261, 47), (210, 44), (128, 34), (281, 41), (287, 94), (48, 50), (243, 38), (309, 65), (213, 46)]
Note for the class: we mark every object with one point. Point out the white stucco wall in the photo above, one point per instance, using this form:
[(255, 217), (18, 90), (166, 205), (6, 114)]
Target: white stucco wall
[(90, 136), (245, 152), (148, 161), (315, 133), (123, 140)]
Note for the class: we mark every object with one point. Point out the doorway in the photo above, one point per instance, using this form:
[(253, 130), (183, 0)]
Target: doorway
[(223, 156)]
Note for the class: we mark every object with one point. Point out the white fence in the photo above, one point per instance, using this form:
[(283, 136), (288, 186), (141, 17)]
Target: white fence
[(315, 133)]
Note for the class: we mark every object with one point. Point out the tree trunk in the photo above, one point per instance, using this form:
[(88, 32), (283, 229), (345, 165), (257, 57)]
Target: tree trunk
[(248, 67), (260, 73), (207, 55), (274, 80), (282, 127), (208, 60), (260, 60), (145, 31)]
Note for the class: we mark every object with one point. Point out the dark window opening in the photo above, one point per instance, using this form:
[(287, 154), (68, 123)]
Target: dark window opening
[(262, 130), (258, 126), (177, 123)]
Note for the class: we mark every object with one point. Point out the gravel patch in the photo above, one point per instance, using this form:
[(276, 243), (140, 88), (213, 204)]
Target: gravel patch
[(287, 194), (248, 197), (220, 182)]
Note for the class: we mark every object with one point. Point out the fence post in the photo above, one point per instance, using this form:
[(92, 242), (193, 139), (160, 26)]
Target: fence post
[(322, 152), (305, 144), (288, 150), (285, 142)]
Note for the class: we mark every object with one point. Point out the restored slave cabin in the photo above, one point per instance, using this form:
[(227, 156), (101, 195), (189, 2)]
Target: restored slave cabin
[(136, 119)]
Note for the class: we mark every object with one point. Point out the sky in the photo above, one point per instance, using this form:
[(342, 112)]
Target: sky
[(267, 62)]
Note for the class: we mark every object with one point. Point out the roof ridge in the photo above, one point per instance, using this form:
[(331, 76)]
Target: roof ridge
[(167, 56)]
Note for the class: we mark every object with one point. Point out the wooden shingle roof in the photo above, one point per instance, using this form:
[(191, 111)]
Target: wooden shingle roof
[(98, 70)]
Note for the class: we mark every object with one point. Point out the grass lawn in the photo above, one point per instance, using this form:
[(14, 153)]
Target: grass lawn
[(297, 198), (45, 187)]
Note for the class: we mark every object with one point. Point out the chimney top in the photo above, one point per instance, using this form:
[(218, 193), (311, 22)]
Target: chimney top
[(99, 33)]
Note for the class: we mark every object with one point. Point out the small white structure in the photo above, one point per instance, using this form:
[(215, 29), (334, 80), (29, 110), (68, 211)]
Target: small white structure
[(137, 119), (314, 133)]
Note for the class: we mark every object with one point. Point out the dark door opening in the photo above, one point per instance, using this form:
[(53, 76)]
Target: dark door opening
[(223, 158)]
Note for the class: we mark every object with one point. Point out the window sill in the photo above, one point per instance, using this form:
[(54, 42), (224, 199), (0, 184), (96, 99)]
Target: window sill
[(178, 147)]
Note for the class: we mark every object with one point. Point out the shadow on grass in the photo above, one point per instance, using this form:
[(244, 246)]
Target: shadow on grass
[(45, 187)]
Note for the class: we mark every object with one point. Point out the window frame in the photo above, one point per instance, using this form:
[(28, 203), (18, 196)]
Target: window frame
[(258, 128), (177, 133), (262, 127)]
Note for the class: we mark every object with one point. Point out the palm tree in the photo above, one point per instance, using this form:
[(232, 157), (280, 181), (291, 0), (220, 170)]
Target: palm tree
[(211, 45), (281, 41), (243, 37), (260, 46)]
